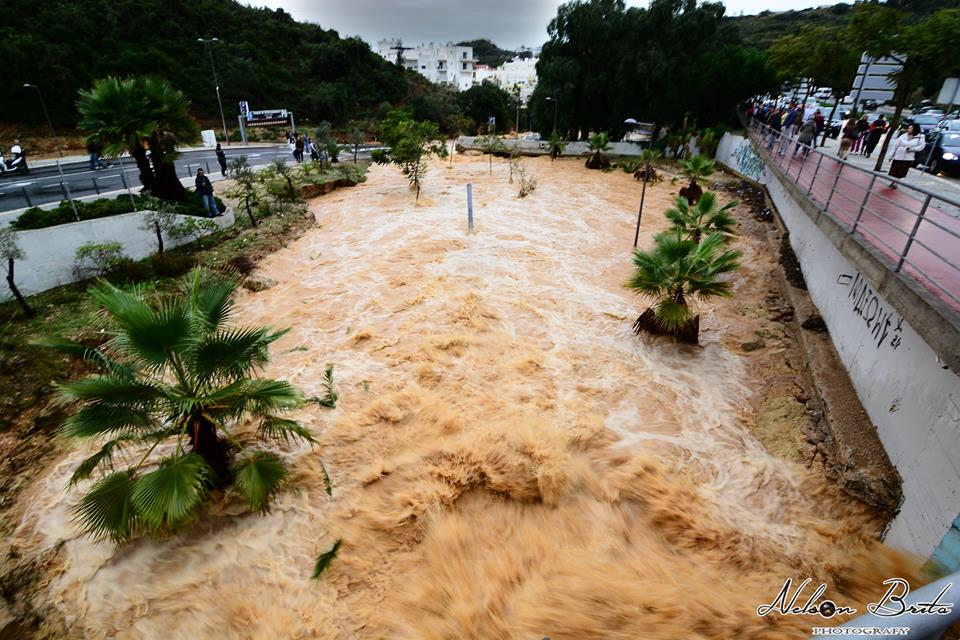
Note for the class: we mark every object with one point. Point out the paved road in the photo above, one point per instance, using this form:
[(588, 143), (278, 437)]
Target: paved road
[(43, 184)]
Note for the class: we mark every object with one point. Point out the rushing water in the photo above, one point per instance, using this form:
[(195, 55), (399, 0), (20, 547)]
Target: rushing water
[(508, 459)]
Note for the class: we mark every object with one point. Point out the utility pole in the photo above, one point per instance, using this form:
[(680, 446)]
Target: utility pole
[(208, 42), (556, 103), (56, 141), (516, 90)]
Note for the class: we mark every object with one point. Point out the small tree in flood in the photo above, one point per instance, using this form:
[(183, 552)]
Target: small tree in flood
[(696, 168), (174, 373), (704, 218), (411, 144), (675, 270), (10, 252)]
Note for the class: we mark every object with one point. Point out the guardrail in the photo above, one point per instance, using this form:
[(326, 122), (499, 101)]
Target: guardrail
[(912, 230)]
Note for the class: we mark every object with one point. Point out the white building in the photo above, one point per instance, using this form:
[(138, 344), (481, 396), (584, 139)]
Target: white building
[(441, 63), (519, 72)]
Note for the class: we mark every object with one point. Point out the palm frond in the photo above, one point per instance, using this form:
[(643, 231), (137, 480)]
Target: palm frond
[(325, 558), (168, 496), (110, 391), (107, 511), (257, 476), (259, 396), (146, 335), (233, 353), (86, 468), (211, 298), (327, 484), (96, 420), (329, 399), (285, 430), (88, 354), (671, 314)]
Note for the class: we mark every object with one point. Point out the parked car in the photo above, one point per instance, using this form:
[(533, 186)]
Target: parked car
[(927, 121), (870, 105), (823, 93), (943, 150)]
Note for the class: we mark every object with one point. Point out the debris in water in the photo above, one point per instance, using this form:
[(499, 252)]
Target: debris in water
[(324, 559)]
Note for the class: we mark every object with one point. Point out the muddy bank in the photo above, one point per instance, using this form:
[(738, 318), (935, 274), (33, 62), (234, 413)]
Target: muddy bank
[(508, 459)]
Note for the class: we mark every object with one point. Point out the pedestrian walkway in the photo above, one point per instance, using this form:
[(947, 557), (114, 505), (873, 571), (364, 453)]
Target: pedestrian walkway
[(940, 185), (913, 230)]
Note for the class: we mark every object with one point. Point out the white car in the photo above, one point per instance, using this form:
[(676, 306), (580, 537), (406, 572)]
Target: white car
[(823, 93)]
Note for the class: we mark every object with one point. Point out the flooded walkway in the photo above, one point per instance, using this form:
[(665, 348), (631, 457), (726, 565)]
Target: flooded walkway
[(508, 459)]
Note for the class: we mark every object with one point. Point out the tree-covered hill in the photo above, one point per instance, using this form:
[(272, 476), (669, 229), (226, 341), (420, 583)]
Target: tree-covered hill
[(759, 31), (486, 52), (263, 56)]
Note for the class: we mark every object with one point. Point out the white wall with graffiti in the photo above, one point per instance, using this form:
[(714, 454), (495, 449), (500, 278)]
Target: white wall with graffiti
[(911, 396)]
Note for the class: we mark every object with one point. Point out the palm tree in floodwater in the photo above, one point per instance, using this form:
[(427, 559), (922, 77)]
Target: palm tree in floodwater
[(696, 168), (675, 270), (703, 218), (174, 377), (599, 143)]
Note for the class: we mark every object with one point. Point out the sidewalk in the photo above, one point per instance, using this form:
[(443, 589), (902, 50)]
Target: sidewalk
[(939, 185)]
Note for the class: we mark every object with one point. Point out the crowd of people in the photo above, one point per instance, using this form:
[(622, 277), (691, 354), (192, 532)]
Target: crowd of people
[(857, 135)]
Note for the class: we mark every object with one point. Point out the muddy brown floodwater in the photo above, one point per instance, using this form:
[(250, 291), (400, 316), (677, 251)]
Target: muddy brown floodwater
[(508, 459)]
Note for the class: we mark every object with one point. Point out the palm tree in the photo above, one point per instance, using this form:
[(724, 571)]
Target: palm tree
[(696, 168), (647, 174), (174, 378), (136, 115), (675, 270), (704, 218), (556, 145), (598, 144)]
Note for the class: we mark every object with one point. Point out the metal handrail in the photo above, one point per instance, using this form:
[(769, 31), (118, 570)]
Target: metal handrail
[(782, 151)]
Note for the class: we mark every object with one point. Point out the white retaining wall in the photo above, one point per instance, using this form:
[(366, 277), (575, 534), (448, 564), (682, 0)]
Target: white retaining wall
[(535, 147), (908, 392), (49, 254)]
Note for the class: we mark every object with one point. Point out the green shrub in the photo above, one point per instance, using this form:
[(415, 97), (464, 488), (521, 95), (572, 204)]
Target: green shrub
[(37, 218), (93, 260)]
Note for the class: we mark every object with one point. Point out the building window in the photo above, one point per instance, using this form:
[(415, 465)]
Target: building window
[(464, 65), (440, 65), (423, 66), (464, 55)]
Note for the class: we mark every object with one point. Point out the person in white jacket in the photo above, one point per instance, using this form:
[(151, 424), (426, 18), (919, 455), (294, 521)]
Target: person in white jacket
[(904, 149)]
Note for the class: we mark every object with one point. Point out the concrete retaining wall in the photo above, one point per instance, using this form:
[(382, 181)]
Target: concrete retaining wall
[(883, 333), (539, 147), (49, 253)]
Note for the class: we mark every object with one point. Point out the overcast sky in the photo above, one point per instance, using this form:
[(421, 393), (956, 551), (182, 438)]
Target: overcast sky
[(509, 23)]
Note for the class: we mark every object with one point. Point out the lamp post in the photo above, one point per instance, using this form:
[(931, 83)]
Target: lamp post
[(556, 103), (63, 180), (516, 91), (208, 42)]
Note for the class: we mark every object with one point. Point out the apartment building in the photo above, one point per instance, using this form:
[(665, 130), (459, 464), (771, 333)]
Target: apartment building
[(442, 63)]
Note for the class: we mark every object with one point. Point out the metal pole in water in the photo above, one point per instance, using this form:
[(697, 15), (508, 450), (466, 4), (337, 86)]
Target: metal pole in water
[(469, 207)]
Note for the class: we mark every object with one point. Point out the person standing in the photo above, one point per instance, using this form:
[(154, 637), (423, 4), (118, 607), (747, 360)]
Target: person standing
[(819, 120), (876, 131), (863, 127), (222, 159), (847, 135), (776, 124), (298, 149), (94, 150), (205, 189), (905, 149), (805, 138)]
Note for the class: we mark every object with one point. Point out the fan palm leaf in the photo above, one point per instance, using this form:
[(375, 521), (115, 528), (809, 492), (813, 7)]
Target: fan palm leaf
[(703, 218), (174, 370)]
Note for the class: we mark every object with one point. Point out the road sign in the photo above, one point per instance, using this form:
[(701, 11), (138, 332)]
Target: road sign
[(244, 109)]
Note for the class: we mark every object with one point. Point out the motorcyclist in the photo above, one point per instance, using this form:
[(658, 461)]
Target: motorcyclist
[(18, 153)]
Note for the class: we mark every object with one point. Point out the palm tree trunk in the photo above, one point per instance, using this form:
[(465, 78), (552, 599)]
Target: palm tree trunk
[(167, 185), (246, 202), (27, 310), (206, 444), (147, 179)]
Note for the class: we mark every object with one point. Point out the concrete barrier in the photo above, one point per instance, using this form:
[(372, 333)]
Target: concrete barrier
[(49, 253), (894, 345), (539, 147)]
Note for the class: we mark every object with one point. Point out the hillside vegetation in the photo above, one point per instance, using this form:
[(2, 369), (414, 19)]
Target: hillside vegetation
[(263, 56)]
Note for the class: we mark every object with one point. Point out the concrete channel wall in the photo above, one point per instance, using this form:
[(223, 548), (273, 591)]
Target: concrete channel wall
[(49, 253), (895, 346), (539, 147)]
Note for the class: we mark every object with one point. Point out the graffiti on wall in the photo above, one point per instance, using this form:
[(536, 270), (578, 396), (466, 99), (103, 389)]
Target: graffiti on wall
[(884, 325), (748, 163)]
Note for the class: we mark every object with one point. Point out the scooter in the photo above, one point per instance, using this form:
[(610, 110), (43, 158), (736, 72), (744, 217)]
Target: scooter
[(15, 166)]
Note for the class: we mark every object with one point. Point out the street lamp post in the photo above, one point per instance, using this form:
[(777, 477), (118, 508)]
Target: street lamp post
[(208, 42), (556, 103), (516, 90), (53, 132)]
